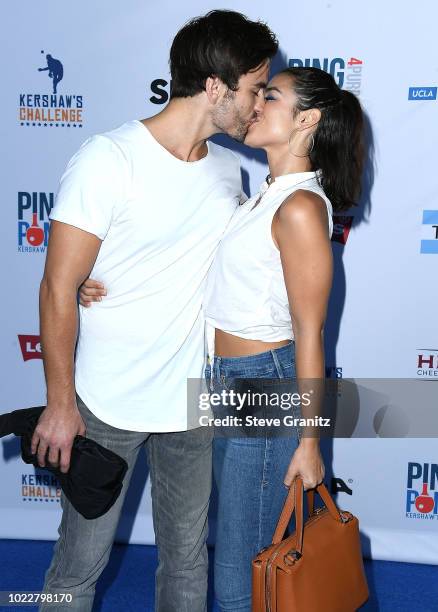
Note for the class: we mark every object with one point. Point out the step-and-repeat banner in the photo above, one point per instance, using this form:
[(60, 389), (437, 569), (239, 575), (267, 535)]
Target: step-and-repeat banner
[(76, 70)]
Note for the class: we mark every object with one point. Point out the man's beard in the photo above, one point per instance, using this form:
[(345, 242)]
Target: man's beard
[(240, 130), (228, 119)]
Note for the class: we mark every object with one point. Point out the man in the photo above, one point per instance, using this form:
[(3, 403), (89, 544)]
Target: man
[(142, 208)]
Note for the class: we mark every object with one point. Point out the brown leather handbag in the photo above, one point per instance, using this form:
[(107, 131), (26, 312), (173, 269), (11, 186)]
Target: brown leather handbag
[(319, 568)]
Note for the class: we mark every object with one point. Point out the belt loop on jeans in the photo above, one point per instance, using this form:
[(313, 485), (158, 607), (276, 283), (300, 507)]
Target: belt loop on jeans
[(212, 362), (277, 364), (215, 369)]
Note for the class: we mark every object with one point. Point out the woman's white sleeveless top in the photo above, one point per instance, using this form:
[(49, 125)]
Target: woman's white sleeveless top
[(246, 292)]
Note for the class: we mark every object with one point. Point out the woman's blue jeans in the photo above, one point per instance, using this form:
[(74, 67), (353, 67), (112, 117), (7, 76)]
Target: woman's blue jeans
[(249, 473)]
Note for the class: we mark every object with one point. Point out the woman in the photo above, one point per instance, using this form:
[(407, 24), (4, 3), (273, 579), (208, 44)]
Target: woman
[(266, 303)]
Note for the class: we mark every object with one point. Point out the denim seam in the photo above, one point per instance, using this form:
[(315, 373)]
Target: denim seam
[(259, 543), (277, 364)]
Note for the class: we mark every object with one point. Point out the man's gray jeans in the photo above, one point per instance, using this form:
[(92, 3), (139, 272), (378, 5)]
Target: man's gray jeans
[(180, 470)]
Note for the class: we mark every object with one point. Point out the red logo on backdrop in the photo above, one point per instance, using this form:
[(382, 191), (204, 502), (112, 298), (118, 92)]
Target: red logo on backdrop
[(427, 363), (424, 502), (35, 233), (422, 491), (341, 228), (30, 347)]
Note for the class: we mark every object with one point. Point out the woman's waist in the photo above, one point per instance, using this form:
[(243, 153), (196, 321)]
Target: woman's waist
[(238, 329), (274, 362), (232, 345)]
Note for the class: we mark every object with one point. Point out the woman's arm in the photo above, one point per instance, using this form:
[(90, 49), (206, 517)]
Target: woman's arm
[(300, 231), (91, 291)]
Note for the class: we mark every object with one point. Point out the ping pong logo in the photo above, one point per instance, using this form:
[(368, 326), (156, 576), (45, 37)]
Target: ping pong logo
[(33, 221), (347, 72), (30, 347), (421, 494)]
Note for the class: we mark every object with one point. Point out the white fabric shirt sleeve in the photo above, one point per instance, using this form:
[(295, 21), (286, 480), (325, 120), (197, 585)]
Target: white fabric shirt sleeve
[(92, 186)]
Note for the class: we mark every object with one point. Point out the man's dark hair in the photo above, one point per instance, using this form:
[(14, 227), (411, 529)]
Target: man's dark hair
[(225, 44)]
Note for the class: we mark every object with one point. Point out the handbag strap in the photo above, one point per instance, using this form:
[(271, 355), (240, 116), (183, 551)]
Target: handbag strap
[(294, 501), (311, 500), (291, 504)]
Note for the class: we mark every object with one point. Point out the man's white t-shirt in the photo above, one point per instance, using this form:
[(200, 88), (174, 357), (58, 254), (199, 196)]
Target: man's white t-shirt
[(160, 220)]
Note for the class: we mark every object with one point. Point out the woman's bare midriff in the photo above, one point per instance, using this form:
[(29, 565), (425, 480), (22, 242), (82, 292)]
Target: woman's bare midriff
[(227, 345)]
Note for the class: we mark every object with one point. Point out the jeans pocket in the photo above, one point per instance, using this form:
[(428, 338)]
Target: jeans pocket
[(289, 371)]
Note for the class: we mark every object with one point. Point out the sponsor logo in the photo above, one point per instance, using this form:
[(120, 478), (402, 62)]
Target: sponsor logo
[(341, 228), (333, 372), (421, 493), (160, 89), (51, 109), (33, 221), (338, 485), (427, 363), (40, 487), (30, 347), (422, 93), (347, 72), (429, 246)]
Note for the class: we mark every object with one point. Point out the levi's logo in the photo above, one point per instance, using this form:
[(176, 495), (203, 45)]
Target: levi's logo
[(30, 347)]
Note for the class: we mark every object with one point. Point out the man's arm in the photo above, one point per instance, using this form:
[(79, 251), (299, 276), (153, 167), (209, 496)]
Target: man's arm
[(71, 255)]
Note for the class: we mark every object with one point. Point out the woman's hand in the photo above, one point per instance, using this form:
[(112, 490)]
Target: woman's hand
[(91, 291), (307, 463)]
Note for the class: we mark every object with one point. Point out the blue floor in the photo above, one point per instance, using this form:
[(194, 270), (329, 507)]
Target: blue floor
[(128, 581)]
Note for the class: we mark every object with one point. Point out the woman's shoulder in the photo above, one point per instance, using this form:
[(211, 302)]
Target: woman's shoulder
[(303, 206)]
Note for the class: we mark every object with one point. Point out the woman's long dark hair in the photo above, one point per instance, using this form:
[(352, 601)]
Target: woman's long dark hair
[(338, 149)]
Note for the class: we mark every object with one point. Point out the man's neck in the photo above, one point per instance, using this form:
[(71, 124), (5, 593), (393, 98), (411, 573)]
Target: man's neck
[(182, 128)]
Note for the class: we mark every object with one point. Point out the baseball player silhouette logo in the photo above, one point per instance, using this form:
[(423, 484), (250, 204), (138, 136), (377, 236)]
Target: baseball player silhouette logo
[(55, 68)]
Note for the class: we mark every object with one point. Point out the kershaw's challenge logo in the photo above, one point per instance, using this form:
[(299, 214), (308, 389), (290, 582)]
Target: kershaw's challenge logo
[(421, 494), (51, 110), (40, 487)]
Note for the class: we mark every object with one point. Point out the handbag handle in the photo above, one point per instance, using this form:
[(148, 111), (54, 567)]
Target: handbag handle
[(294, 501)]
